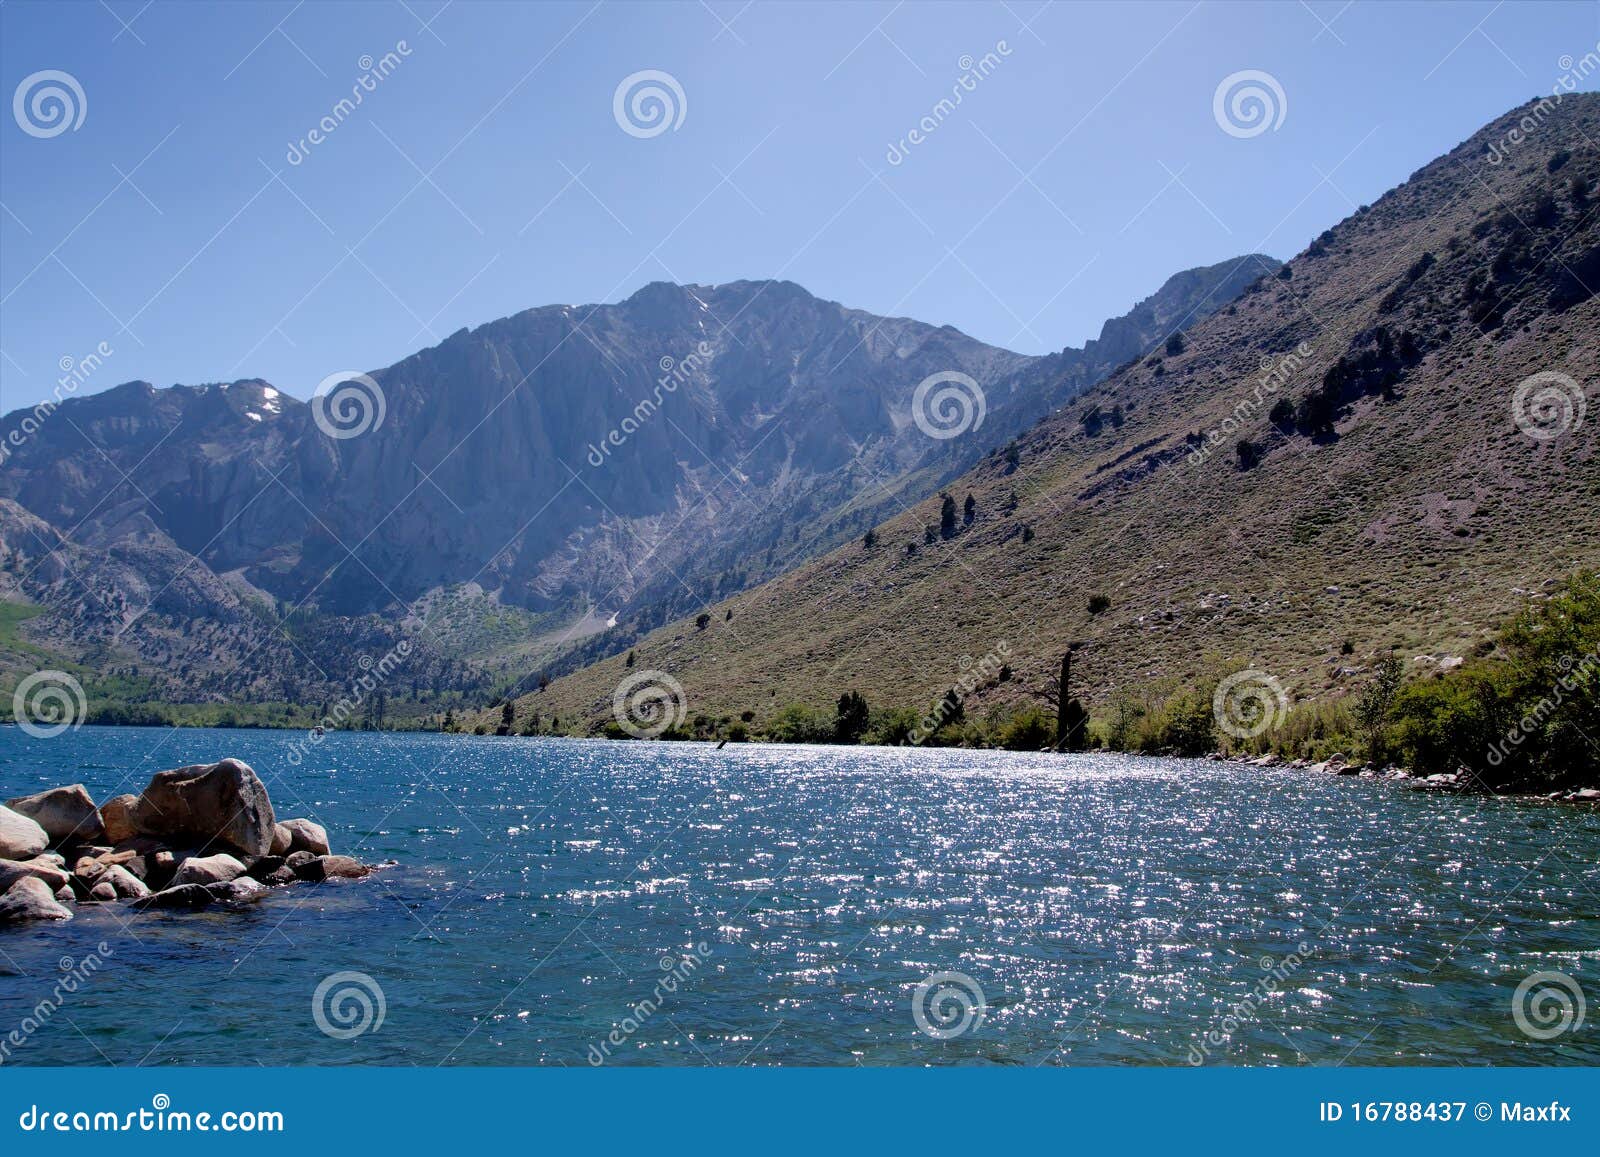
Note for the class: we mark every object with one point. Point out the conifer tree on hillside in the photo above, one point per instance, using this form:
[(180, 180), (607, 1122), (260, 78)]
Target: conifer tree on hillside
[(947, 517)]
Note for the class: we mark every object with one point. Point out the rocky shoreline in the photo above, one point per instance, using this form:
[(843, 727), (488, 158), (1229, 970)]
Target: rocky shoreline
[(1463, 780), (195, 837)]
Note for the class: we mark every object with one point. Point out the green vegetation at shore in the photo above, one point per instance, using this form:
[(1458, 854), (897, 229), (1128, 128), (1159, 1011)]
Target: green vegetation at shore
[(1520, 716)]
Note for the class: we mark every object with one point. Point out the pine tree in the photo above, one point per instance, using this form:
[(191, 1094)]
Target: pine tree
[(947, 517), (850, 719)]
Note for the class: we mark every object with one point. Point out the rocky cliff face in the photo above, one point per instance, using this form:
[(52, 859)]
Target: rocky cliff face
[(629, 460)]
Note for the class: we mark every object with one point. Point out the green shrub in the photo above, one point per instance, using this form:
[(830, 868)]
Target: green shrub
[(798, 723), (1026, 729)]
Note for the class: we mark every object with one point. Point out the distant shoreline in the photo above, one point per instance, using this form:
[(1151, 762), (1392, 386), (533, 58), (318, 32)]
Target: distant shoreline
[(1351, 771)]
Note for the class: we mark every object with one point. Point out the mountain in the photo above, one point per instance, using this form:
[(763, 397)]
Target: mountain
[(1383, 446), (561, 474)]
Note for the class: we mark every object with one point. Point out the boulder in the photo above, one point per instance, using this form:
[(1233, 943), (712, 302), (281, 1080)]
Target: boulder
[(295, 861), (1586, 794), (103, 892), (11, 871), (30, 898), (217, 869), (20, 837), (116, 816), (306, 836), (282, 840), (186, 896), (240, 891), (65, 895), (221, 803), (65, 813), (88, 869), (264, 866), (278, 877), (160, 867), (124, 883), (332, 867)]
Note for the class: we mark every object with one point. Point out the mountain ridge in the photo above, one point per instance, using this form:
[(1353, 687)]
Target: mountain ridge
[(1326, 469), (797, 406)]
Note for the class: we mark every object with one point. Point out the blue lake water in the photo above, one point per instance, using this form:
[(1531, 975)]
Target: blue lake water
[(1098, 910)]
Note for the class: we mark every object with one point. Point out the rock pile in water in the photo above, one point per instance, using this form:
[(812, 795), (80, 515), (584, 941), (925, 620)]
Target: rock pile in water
[(196, 836)]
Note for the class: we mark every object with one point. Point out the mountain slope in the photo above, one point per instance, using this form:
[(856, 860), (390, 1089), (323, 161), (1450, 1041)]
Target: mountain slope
[(1409, 477), (548, 472)]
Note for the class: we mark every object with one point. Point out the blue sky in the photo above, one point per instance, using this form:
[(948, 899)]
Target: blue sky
[(487, 173)]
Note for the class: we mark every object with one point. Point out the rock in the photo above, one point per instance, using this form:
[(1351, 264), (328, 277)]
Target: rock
[(88, 869), (298, 860), (240, 891), (332, 867), (160, 867), (137, 854), (64, 894), (124, 883), (103, 892), (217, 869), (1584, 795), (11, 871), (30, 898), (186, 896), (218, 803), (264, 866), (65, 813), (20, 837), (116, 817), (55, 858), (307, 837), (278, 877), (282, 840)]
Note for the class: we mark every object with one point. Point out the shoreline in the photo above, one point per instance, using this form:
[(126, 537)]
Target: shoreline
[(1461, 782)]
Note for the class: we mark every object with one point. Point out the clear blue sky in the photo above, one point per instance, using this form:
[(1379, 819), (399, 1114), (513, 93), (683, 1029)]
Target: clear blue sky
[(487, 174)]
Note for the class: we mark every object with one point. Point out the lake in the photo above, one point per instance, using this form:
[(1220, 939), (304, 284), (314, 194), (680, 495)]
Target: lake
[(577, 902)]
